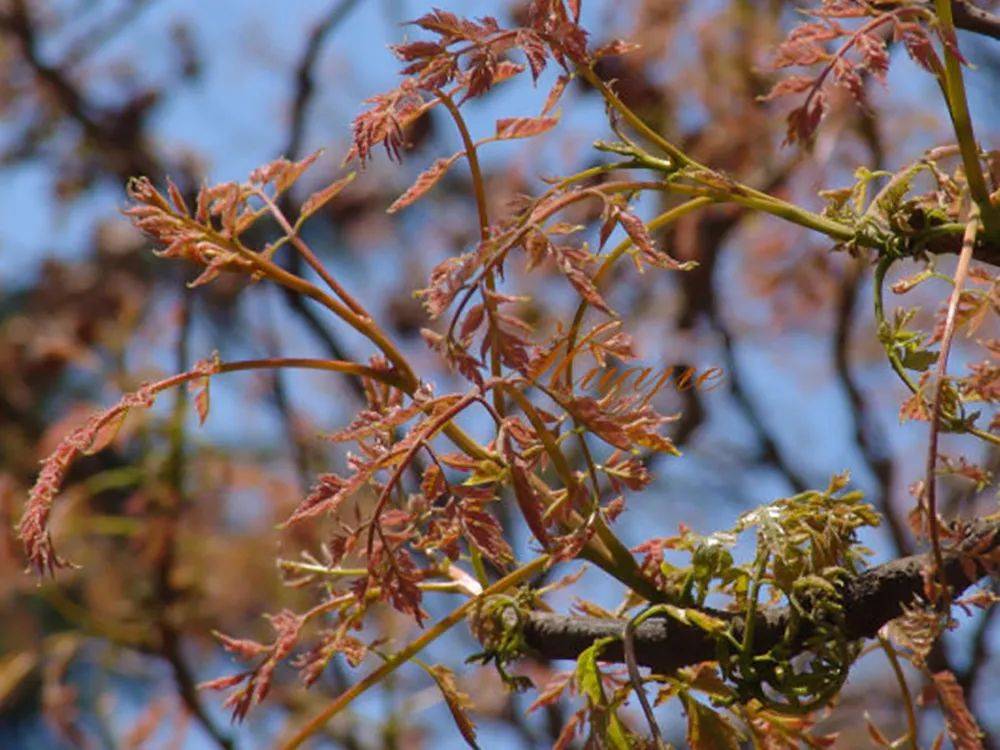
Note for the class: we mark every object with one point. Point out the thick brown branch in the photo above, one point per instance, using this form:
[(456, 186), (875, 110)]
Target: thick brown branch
[(977, 20), (870, 601), (948, 241)]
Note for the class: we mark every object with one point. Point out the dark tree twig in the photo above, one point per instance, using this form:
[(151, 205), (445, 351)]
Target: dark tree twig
[(975, 19), (869, 601)]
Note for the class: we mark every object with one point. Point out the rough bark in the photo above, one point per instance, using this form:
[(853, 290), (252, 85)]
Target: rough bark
[(975, 19), (870, 601)]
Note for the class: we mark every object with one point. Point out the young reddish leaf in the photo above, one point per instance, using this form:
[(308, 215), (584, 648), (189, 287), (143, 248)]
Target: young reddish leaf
[(607, 226), (432, 485), (568, 546), (637, 232), (177, 198), (425, 181), (524, 127), (705, 678), (528, 502), (103, 436), (486, 534), (707, 729), (805, 44), (628, 471), (534, 49), (320, 198), (552, 690), (537, 246), (384, 120), (224, 683), (313, 662), (453, 28), (398, 578), (482, 72), (654, 441), (555, 93), (445, 281), (615, 47), (803, 121), (959, 721), (597, 420), (327, 494), (282, 172), (789, 85), (416, 50), (574, 273), (950, 41), (643, 241), (506, 70), (242, 648), (201, 397), (570, 730), (458, 702), (473, 319), (97, 431), (918, 45)]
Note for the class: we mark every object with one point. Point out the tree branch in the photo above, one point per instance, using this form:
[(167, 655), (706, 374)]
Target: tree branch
[(869, 601), (972, 18)]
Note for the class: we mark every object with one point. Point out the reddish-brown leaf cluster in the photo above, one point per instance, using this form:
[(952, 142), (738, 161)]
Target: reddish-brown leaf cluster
[(211, 236), (257, 681), (96, 433), (860, 51), (962, 728), (465, 60), (313, 663)]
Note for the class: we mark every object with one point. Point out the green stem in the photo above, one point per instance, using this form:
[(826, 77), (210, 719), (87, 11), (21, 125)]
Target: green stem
[(758, 200), (615, 559), (398, 659), (738, 193), (746, 652), (911, 719), (941, 372), (958, 109), (479, 189), (881, 269), (332, 365), (667, 217), (361, 323), (635, 121)]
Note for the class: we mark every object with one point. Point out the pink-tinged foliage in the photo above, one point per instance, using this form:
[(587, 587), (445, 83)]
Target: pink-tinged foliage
[(446, 280), (256, 682), (312, 663), (467, 59), (643, 241), (403, 517), (963, 730), (424, 182), (524, 127), (91, 437), (847, 55), (528, 500), (576, 265), (397, 576), (623, 422), (483, 530), (211, 238)]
